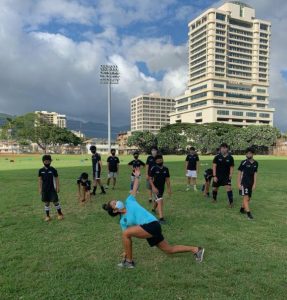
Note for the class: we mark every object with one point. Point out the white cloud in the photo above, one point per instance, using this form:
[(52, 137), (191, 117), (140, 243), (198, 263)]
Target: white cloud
[(50, 71)]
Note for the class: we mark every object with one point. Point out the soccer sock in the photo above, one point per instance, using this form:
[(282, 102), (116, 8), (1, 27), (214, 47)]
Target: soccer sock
[(47, 210), (242, 210), (203, 188), (94, 190), (230, 196), (103, 190), (214, 195), (58, 208)]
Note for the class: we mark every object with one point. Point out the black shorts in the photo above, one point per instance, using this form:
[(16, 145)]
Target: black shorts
[(246, 191), (154, 229), (221, 182), (159, 195), (50, 196), (97, 174)]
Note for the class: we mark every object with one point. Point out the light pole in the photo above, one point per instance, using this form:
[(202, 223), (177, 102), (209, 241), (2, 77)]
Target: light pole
[(109, 75)]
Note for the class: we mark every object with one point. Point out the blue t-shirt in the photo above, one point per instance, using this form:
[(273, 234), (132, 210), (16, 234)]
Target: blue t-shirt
[(135, 214)]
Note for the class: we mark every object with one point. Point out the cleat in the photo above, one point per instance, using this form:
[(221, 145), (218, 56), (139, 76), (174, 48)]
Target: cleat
[(162, 221), (60, 217), (249, 216), (199, 254), (242, 210), (126, 264), (47, 219)]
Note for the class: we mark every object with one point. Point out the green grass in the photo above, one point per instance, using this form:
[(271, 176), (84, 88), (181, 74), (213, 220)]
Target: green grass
[(76, 258)]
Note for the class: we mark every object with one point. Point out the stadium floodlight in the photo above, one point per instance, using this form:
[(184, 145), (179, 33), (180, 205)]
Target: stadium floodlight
[(109, 74)]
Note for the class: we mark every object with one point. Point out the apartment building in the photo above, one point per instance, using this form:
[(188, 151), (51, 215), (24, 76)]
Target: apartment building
[(150, 112), (229, 50), (53, 118)]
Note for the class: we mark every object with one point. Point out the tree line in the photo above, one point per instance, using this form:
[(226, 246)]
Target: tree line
[(31, 128), (176, 138)]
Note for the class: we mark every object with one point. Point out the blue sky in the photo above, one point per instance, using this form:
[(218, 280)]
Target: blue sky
[(51, 51)]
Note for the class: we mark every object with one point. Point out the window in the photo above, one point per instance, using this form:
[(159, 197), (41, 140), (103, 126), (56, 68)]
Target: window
[(199, 114), (251, 114), (240, 23), (202, 87), (220, 17), (200, 95), (261, 91), (185, 107), (200, 103), (221, 102), (240, 88), (263, 115), (180, 101), (264, 27), (261, 105), (223, 112), (237, 113), (242, 96), (217, 93), (218, 85), (261, 98)]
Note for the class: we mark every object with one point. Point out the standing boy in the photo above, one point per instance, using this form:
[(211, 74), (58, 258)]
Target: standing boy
[(191, 168), (113, 168), (136, 163), (97, 168), (246, 180), (150, 162), (223, 167), (159, 176), (49, 187)]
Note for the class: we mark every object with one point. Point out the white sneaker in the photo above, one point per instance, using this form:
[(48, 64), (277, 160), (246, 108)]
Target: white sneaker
[(187, 189)]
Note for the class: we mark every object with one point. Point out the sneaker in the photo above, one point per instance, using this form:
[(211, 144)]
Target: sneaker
[(242, 210), (47, 219), (102, 192), (187, 189), (60, 217), (162, 221), (106, 187), (195, 188), (249, 216), (199, 254), (150, 200), (126, 264), (214, 201), (231, 205)]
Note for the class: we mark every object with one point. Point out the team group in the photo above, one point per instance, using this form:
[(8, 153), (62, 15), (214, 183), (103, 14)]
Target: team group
[(135, 220)]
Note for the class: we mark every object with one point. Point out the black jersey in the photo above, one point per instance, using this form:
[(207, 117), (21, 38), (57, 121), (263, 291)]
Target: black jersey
[(223, 165), (136, 163), (150, 162), (96, 158), (159, 175), (248, 169), (192, 160), (48, 176), (113, 163), (86, 184), (208, 174)]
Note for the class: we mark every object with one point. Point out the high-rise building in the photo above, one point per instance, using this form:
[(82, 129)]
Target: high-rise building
[(53, 118), (229, 51), (150, 112)]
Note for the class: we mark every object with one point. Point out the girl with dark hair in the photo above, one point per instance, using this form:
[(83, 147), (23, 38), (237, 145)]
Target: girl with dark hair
[(137, 222)]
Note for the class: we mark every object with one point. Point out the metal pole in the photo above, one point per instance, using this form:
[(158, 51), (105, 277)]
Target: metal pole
[(109, 116)]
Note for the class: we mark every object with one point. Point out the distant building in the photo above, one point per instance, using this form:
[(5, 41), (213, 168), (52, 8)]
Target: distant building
[(53, 118), (229, 55), (9, 147), (150, 112), (78, 134), (122, 141), (101, 144)]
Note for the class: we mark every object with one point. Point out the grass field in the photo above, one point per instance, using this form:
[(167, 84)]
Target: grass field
[(77, 258)]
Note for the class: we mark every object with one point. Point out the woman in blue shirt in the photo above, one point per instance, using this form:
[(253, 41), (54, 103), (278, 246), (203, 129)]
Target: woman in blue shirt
[(136, 221)]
